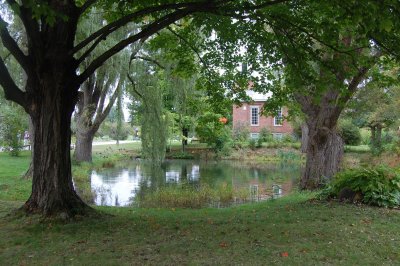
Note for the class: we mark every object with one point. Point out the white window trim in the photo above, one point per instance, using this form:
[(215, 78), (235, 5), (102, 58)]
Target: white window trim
[(251, 116), (277, 125)]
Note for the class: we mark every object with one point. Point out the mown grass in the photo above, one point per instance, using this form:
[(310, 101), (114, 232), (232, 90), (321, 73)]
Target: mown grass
[(12, 185), (258, 234)]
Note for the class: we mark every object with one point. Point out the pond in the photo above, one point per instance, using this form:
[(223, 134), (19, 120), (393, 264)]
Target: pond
[(126, 184)]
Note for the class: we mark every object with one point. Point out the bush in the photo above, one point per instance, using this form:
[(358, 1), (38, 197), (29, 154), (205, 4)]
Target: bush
[(111, 130), (182, 155), (288, 138), (252, 144), (241, 132), (350, 133), (13, 123), (379, 186), (214, 133), (266, 135)]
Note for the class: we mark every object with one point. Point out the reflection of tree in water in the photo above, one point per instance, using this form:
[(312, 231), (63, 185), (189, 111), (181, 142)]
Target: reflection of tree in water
[(149, 177), (152, 178)]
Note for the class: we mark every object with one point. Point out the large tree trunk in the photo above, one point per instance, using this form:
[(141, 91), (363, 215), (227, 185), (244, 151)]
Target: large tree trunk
[(324, 147), (83, 146), (53, 192), (324, 154)]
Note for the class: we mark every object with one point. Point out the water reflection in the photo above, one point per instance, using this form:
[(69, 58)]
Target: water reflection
[(119, 186)]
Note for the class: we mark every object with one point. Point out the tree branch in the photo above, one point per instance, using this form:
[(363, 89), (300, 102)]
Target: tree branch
[(86, 6), (189, 45), (31, 26), (148, 31), (12, 46), (11, 91), (102, 114), (151, 60), (113, 26)]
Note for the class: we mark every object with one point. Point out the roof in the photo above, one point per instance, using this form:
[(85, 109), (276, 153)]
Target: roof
[(258, 97)]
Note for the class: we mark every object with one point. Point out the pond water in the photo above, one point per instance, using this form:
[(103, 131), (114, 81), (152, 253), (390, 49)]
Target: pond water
[(123, 184)]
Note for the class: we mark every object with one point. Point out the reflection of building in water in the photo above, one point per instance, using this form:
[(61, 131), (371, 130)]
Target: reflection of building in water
[(116, 191), (172, 176), (194, 175)]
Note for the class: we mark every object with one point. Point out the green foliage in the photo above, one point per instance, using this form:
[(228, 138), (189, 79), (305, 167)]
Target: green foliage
[(188, 196), (287, 156), (211, 131), (379, 186), (241, 132), (349, 132), (288, 138), (266, 135), (111, 130), (182, 155), (13, 124), (252, 144)]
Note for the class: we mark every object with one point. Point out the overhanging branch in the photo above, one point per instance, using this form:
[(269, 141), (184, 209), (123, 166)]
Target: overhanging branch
[(86, 5), (113, 26), (11, 91), (148, 31), (12, 46)]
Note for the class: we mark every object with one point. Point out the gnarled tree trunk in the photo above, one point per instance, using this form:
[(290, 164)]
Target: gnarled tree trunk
[(52, 188), (324, 154), (91, 113)]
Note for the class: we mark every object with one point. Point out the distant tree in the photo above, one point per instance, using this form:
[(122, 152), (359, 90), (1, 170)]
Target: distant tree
[(13, 125), (374, 105)]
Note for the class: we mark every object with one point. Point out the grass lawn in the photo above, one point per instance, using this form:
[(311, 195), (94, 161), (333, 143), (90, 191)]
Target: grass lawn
[(289, 231)]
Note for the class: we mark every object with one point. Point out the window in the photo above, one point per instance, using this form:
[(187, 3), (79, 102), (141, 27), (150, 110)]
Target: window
[(254, 115), (277, 136), (254, 135), (278, 119)]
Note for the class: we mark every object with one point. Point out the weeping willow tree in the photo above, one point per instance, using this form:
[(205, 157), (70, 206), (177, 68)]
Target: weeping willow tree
[(147, 92)]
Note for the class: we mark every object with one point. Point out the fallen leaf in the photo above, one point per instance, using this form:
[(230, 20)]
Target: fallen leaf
[(285, 254), (223, 245)]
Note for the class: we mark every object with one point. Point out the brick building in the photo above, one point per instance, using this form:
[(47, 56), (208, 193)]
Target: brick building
[(249, 116)]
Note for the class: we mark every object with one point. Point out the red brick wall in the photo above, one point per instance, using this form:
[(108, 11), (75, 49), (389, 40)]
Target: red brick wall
[(241, 117)]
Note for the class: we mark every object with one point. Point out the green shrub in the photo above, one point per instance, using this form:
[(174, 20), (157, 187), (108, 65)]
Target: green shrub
[(241, 132), (182, 155), (13, 123), (259, 143), (266, 135), (350, 133), (288, 138), (252, 144), (379, 186), (214, 133)]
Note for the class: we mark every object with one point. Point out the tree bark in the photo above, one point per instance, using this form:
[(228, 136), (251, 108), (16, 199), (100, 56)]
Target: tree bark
[(53, 192), (83, 146), (304, 137), (324, 154), (324, 148)]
